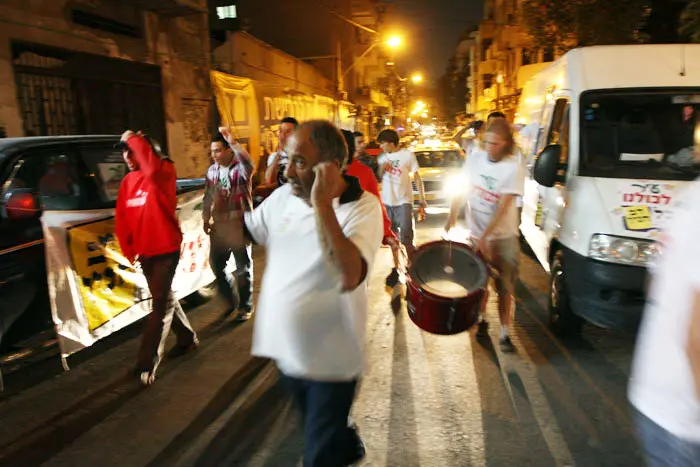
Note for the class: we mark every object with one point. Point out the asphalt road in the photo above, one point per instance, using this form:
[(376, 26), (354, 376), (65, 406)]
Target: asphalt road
[(431, 400), (425, 400)]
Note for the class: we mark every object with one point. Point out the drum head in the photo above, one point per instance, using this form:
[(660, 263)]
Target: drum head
[(448, 269)]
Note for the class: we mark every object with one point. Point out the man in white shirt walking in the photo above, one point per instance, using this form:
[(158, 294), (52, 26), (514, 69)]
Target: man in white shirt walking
[(322, 233), (395, 169), (495, 180), (665, 384)]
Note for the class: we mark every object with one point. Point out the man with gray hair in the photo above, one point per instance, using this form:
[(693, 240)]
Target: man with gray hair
[(322, 232)]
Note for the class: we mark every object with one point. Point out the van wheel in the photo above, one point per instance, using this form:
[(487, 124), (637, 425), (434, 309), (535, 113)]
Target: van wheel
[(562, 320)]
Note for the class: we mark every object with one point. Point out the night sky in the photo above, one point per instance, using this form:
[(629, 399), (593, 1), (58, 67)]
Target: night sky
[(431, 29)]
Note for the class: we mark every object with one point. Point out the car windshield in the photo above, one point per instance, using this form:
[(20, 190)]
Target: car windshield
[(448, 158), (640, 134)]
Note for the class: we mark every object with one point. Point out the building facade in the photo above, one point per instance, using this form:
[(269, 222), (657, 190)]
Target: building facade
[(101, 66), (502, 59)]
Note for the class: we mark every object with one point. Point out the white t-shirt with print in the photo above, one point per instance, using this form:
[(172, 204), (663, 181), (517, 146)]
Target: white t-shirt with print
[(304, 321), (224, 182), (487, 183), (396, 182), (662, 385)]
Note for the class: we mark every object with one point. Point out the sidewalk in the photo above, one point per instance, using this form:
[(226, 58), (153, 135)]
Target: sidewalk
[(96, 414)]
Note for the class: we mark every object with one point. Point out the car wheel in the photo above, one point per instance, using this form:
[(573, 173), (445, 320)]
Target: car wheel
[(562, 319)]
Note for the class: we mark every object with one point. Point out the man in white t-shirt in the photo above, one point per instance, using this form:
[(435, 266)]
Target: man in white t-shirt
[(495, 180), (395, 169), (277, 161), (665, 384), (322, 233)]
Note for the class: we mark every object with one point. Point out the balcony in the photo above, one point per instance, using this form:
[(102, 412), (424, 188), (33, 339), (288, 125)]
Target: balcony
[(174, 8)]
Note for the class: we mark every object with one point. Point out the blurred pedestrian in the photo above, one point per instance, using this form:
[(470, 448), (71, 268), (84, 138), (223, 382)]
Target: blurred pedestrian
[(228, 194), (368, 182), (148, 231), (278, 161), (664, 387), (473, 140), (495, 179), (362, 156), (395, 168), (322, 232)]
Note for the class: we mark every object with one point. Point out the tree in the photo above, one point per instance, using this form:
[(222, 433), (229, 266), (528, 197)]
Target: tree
[(690, 21), (565, 24)]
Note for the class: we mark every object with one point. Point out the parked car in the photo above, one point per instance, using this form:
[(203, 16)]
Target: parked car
[(47, 173)]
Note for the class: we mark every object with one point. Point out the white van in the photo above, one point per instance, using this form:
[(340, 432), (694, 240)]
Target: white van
[(608, 133)]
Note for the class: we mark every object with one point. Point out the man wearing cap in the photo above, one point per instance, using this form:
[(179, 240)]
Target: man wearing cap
[(149, 232)]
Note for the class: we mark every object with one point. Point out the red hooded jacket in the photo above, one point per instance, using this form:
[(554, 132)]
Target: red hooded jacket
[(146, 216), (368, 182)]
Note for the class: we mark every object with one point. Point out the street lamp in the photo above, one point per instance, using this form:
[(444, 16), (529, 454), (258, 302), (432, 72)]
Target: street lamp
[(392, 42), (417, 78)]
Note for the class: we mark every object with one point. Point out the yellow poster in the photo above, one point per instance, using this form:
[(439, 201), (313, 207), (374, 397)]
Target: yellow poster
[(104, 284), (637, 218)]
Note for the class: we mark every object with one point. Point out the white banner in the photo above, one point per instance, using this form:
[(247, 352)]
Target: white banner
[(94, 290)]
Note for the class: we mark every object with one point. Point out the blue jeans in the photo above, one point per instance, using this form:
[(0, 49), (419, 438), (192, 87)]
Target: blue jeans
[(663, 449), (325, 407)]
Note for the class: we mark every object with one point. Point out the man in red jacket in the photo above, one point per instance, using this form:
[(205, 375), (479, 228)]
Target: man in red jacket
[(368, 182), (148, 231)]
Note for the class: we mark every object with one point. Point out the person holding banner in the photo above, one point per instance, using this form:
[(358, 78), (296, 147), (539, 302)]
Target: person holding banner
[(228, 193), (148, 232)]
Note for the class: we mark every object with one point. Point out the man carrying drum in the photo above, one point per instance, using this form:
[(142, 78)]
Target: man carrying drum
[(495, 181)]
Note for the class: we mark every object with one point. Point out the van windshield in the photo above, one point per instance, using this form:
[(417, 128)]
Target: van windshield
[(643, 134)]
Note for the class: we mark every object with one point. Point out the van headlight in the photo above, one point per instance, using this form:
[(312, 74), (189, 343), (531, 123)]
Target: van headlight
[(453, 185), (621, 250)]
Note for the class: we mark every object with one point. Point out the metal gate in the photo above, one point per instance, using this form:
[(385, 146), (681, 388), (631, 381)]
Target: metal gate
[(61, 92)]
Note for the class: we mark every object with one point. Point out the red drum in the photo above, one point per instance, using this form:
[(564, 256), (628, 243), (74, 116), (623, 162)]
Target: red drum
[(447, 287)]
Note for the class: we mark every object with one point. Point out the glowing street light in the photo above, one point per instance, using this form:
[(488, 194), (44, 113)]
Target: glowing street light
[(417, 78), (394, 42)]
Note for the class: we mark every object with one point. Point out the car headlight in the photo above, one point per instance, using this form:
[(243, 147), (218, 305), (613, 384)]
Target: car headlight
[(623, 250), (453, 185)]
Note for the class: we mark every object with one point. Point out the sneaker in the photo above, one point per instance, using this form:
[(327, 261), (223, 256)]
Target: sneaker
[(180, 350), (393, 278), (243, 315), (146, 378), (507, 345), (483, 330)]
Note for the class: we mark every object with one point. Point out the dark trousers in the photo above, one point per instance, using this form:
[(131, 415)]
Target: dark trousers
[(166, 311), (218, 257), (325, 407)]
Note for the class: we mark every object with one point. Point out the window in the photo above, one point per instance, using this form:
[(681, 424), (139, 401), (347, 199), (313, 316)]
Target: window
[(107, 169), (439, 159), (525, 57), (561, 109), (488, 80), (51, 175), (646, 134), (226, 12), (548, 55)]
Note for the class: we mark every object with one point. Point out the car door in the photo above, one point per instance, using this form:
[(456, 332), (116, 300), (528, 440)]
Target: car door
[(541, 220), (35, 179)]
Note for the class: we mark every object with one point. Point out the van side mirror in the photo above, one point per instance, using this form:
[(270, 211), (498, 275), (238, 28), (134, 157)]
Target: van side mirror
[(22, 205), (547, 165)]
